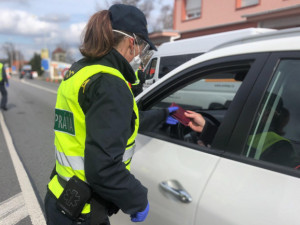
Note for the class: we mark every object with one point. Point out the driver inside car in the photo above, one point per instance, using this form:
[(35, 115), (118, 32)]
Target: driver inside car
[(275, 149)]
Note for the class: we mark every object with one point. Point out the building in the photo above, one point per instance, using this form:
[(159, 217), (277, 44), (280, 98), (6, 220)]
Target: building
[(59, 55), (193, 18), (163, 36)]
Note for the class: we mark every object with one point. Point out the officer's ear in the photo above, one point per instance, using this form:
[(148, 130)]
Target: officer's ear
[(131, 45)]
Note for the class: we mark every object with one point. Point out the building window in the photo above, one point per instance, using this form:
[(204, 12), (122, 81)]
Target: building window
[(246, 3), (193, 9)]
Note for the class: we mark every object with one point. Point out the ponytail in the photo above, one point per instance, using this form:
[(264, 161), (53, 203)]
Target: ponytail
[(98, 38)]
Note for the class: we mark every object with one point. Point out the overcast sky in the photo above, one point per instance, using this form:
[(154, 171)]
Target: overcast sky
[(34, 24)]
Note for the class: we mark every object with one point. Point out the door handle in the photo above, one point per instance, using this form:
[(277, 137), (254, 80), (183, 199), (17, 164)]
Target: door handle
[(175, 188)]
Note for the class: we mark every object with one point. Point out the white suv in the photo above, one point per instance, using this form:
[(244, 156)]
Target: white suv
[(248, 175)]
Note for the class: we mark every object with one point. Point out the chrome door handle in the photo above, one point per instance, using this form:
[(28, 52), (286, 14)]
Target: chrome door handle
[(178, 192)]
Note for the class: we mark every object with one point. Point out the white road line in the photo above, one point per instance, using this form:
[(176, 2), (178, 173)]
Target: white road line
[(13, 210), (39, 87), (31, 202)]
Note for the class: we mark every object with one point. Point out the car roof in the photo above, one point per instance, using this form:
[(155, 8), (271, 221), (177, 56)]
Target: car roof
[(205, 43), (278, 40)]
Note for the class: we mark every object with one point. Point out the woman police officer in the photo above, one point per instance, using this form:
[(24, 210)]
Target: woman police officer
[(96, 122)]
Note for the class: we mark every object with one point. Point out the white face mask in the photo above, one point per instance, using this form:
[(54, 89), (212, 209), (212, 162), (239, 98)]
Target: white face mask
[(135, 63)]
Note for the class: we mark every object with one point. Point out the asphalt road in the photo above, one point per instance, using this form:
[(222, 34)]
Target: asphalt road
[(29, 121)]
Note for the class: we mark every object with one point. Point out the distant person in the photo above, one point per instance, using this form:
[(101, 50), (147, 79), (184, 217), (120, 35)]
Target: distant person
[(3, 81)]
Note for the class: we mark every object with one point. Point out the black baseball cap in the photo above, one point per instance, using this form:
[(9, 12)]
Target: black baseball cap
[(129, 18)]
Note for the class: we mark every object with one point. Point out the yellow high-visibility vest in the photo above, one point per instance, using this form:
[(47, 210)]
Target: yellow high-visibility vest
[(70, 128), (1, 76), (137, 80)]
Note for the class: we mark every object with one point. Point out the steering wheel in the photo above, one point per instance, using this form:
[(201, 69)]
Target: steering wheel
[(179, 131)]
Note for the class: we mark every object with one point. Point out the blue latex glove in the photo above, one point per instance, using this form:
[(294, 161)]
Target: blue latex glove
[(140, 216), (170, 120), (173, 109), (7, 84)]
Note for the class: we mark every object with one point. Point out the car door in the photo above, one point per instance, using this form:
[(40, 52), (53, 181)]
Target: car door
[(259, 182), (168, 161)]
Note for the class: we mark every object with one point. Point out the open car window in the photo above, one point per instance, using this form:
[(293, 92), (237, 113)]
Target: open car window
[(209, 93)]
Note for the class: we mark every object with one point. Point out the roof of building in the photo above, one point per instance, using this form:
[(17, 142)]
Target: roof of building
[(58, 50)]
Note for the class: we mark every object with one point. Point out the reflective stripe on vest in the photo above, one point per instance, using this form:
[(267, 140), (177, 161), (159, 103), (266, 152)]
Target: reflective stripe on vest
[(70, 128), (1, 76), (137, 80)]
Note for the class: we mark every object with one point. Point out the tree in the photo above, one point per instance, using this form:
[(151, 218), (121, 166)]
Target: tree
[(156, 22), (145, 6), (166, 16), (9, 50), (35, 63)]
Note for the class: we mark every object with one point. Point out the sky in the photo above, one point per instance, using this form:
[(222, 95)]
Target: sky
[(35, 24)]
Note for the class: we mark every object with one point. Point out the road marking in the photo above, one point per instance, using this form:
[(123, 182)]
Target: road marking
[(31, 202), (37, 86), (13, 210)]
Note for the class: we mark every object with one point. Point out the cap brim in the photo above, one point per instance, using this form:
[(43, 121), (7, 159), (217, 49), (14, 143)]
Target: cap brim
[(152, 46)]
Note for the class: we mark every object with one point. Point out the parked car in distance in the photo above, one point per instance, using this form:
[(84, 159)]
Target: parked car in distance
[(249, 173), (26, 72)]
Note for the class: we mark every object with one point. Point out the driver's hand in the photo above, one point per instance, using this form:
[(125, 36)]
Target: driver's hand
[(197, 122)]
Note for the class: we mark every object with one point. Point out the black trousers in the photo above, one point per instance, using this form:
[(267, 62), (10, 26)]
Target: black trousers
[(3, 95), (55, 217)]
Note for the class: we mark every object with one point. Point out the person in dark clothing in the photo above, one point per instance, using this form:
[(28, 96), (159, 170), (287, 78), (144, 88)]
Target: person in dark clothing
[(275, 149), (3, 81), (96, 122)]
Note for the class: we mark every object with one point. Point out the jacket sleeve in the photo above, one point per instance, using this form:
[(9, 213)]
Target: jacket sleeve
[(4, 75), (152, 118), (208, 133), (108, 126)]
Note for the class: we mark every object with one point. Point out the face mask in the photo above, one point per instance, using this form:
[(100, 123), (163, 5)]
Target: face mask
[(135, 63)]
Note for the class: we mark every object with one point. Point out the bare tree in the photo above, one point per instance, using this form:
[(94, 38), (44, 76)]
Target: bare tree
[(146, 7), (163, 21), (9, 50), (166, 15), (127, 2)]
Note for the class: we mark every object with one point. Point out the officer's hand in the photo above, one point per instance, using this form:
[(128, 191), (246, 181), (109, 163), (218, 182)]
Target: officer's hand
[(170, 120), (140, 216), (7, 84)]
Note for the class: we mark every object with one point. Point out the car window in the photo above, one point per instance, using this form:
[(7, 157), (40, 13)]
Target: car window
[(168, 63), (150, 70), (275, 135), (209, 93)]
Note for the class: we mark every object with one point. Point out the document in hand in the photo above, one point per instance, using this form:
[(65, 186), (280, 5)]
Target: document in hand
[(179, 115)]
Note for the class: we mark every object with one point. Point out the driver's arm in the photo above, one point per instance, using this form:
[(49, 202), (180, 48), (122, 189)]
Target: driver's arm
[(205, 130), (208, 133)]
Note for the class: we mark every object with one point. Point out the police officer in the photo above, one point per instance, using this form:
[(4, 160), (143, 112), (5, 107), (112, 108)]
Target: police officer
[(3, 81), (96, 122)]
